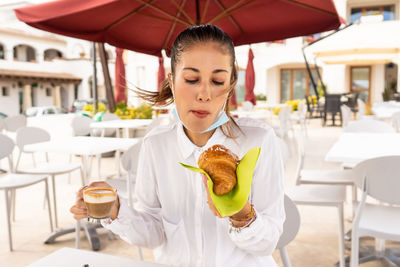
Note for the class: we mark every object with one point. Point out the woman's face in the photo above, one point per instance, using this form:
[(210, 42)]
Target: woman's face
[(201, 85)]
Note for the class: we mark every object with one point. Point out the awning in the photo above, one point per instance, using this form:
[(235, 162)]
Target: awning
[(362, 44), (33, 76)]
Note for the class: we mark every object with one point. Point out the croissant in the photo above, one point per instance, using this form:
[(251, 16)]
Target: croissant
[(220, 164)]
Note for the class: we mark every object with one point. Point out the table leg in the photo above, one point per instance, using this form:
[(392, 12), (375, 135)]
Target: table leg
[(53, 184)]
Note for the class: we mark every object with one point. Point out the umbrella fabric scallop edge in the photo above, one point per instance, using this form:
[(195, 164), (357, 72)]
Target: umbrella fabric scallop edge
[(232, 202)]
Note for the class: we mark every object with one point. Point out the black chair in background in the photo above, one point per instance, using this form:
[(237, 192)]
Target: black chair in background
[(314, 110), (332, 107)]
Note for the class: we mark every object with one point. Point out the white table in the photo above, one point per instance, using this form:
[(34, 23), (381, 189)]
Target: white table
[(70, 257), (385, 110), (356, 147), (256, 114), (84, 146), (120, 124)]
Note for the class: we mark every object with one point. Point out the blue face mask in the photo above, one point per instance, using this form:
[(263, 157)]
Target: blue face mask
[(221, 119)]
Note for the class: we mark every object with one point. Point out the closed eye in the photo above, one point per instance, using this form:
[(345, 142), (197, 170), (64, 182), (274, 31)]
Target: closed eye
[(218, 83), (191, 81)]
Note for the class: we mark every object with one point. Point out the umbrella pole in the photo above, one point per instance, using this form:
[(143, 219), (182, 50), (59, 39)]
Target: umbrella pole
[(107, 79), (95, 95)]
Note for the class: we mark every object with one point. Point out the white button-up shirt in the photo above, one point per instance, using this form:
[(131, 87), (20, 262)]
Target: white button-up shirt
[(172, 215)]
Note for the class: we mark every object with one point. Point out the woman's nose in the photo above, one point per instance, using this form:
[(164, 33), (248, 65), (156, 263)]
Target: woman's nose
[(204, 93)]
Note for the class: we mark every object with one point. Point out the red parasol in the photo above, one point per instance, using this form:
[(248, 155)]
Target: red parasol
[(148, 26), (250, 79), (120, 83)]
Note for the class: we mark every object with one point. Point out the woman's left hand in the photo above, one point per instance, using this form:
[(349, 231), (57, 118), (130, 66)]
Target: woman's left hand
[(246, 209)]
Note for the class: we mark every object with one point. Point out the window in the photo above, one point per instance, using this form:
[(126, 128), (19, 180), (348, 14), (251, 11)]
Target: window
[(2, 53), (296, 83), (360, 78), (51, 54), (378, 13), (24, 53), (48, 91), (240, 89), (5, 91)]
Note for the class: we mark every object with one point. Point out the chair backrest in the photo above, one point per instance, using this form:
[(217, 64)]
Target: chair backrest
[(130, 158), (291, 225), (361, 108), (247, 106), (12, 124), (31, 135), (395, 121), (381, 178), (81, 125), (302, 109), (6, 145), (109, 117), (332, 103), (369, 126), (346, 114), (284, 117)]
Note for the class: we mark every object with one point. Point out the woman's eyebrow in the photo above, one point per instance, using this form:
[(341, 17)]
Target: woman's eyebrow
[(196, 70)]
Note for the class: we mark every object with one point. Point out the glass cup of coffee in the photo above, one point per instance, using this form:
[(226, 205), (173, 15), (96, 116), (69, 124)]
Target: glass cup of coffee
[(99, 202)]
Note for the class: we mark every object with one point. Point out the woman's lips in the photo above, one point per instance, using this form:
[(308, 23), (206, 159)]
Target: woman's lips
[(200, 113)]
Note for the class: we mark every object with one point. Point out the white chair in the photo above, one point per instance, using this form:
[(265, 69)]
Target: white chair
[(322, 177), (361, 109), (125, 187), (284, 125), (346, 115), (247, 106), (32, 135), (301, 116), (81, 125), (12, 124), (396, 121), (320, 195), (377, 178), (10, 182), (290, 230), (106, 132), (370, 126)]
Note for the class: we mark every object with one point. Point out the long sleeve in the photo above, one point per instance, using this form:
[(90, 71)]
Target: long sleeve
[(141, 225), (267, 196)]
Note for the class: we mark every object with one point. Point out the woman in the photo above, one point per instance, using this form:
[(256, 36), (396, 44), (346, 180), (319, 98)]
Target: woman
[(172, 215)]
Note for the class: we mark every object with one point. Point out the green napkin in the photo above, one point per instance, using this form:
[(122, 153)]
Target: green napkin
[(234, 201)]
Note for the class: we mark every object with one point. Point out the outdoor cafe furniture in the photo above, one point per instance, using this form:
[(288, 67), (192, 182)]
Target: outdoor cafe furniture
[(126, 187), (318, 195), (290, 229), (12, 181), (332, 107), (120, 124), (356, 147), (386, 110), (68, 257), (377, 178), (32, 135), (84, 146)]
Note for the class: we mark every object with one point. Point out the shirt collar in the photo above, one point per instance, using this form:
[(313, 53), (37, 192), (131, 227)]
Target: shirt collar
[(187, 147)]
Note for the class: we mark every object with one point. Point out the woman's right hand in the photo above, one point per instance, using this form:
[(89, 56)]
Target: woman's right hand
[(79, 210)]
